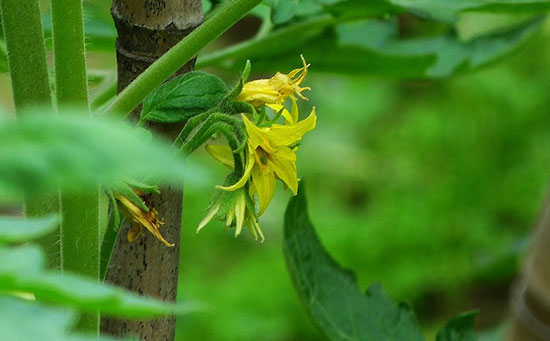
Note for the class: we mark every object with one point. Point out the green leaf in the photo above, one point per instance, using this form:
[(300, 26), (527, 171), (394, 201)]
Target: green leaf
[(26, 320), (14, 230), (460, 328), (184, 97), (40, 152), (448, 10), (21, 270), (330, 293)]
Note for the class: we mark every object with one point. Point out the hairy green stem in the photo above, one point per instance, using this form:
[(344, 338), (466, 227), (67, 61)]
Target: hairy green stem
[(31, 87), (68, 46), (26, 53), (177, 56), (80, 225)]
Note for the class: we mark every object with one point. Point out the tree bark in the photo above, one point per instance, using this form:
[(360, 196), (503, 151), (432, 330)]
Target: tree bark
[(146, 30), (531, 295)]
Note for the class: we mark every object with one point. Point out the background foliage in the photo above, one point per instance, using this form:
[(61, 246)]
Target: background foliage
[(428, 186)]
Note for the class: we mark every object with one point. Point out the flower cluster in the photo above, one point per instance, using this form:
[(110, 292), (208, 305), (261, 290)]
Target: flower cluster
[(269, 154)]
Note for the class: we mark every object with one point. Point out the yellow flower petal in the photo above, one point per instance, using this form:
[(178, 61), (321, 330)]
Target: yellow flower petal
[(289, 118), (242, 181), (240, 206), (256, 136), (258, 92), (264, 182), (293, 112), (275, 89), (223, 154), (134, 233), (285, 168), (287, 135), (136, 215)]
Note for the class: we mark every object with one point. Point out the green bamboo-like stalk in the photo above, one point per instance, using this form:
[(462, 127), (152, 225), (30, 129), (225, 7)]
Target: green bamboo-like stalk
[(31, 87), (80, 230), (178, 56)]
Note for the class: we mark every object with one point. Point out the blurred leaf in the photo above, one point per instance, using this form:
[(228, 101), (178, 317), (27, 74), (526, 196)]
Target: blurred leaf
[(13, 230), (206, 6), (21, 270), (183, 97), (283, 11), (330, 293), (26, 320), (271, 46), (460, 328), (372, 47), (448, 10), (359, 9), (41, 151)]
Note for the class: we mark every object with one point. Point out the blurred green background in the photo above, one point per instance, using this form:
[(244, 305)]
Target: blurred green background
[(430, 187)]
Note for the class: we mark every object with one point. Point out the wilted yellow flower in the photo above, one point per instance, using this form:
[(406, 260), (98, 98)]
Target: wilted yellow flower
[(235, 210), (140, 218), (275, 89), (271, 154)]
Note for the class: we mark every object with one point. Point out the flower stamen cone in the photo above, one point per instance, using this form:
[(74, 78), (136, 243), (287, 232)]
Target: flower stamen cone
[(276, 89)]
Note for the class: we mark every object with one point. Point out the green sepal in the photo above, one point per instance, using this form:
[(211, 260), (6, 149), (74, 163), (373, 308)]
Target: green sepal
[(145, 188), (125, 190), (109, 239), (239, 107), (238, 87)]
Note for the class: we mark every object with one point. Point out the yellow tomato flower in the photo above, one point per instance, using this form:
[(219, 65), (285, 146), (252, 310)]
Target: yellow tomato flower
[(290, 117), (270, 155), (275, 89), (235, 210), (139, 218)]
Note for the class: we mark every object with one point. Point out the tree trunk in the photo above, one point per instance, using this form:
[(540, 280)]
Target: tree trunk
[(531, 296), (146, 30)]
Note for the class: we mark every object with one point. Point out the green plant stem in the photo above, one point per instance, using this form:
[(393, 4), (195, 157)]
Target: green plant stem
[(26, 53), (177, 56), (31, 87), (270, 43), (68, 45), (80, 226)]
